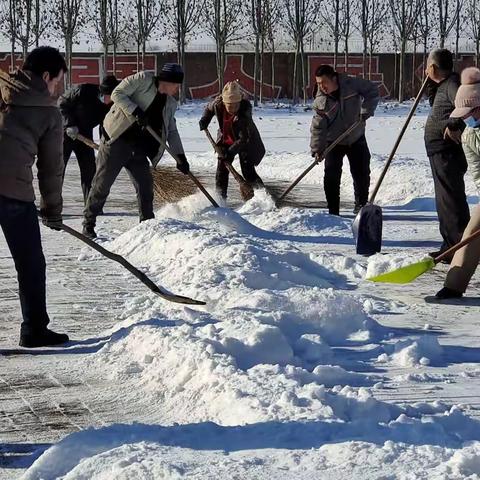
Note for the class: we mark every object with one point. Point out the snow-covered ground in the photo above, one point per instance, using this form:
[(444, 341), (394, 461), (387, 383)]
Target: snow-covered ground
[(297, 367)]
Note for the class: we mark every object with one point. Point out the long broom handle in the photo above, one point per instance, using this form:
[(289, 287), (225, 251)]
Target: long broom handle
[(399, 139), (194, 179), (457, 246), (229, 166), (317, 161), (88, 141)]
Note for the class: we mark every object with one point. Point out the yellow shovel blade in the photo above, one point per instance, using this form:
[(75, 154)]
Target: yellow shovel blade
[(405, 274)]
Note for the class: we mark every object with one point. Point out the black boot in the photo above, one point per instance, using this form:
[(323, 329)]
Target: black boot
[(446, 293), (43, 338), (89, 231)]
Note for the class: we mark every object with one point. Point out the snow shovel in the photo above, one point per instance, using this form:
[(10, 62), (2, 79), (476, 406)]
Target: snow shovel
[(246, 190), (317, 161), (140, 275), (367, 226), (194, 179), (411, 272)]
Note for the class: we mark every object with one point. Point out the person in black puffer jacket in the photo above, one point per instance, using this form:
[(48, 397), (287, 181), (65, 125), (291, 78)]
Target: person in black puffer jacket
[(83, 108), (444, 149)]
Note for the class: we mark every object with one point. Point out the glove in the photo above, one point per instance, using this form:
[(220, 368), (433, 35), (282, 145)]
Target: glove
[(72, 132), (225, 155), (454, 135), (318, 156), (53, 223), (183, 165), (365, 116), (140, 117), (203, 125)]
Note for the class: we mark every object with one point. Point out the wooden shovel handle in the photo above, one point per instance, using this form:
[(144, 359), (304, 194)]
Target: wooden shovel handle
[(324, 154), (457, 246), (194, 179), (88, 141), (399, 139), (229, 166)]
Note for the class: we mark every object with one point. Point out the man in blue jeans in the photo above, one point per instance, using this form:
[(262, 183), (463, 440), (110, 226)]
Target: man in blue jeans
[(31, 126)]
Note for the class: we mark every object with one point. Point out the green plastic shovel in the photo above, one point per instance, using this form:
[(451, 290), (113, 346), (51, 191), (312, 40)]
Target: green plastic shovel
[(411, 272)]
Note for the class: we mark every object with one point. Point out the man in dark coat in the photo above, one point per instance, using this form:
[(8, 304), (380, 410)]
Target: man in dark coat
[(83, 108), (237, 134), (340, 102), (444, 149), (31, 126)]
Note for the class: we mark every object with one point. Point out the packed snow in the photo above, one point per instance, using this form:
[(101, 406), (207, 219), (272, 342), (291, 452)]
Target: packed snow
[(278, 375)]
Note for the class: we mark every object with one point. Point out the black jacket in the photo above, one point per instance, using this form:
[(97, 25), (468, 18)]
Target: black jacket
[(442, 100), (82, 108), (248, 143)]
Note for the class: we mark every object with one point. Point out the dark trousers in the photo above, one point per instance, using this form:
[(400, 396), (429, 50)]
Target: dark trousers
[(110, 160), (359, 158), (19, 223), (448, 169), (248, 171), (86, 162)]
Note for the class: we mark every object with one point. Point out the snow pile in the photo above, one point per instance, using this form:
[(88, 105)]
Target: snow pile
[(381, 263), (423, 350)]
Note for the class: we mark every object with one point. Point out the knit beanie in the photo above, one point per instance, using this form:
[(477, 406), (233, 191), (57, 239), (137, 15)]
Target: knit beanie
[(468, 94), (108, 84), (232, 93), (171, 72)]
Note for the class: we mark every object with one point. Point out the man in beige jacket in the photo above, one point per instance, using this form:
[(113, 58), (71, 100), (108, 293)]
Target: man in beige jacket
[(140, 100), (465, 260)]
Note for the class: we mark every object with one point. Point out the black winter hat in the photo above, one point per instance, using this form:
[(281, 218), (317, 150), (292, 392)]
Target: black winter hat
[(171, 72), (108, 84)]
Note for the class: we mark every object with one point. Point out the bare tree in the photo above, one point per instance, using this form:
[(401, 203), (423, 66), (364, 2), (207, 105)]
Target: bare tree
[(405, 15), (143, 21), (183, 18), (473, 18), (371, 27), (115, 28), (41, 20), (223, 20), (300, 23), (272, 21), (447, 12), (99, 20), (345, 24), (21, 22), (68, 19), (425, 27), (8, 26), (257, 23), (330, 14)]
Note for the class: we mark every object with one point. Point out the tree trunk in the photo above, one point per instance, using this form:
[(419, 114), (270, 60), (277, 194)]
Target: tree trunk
[(262, 54), (273, 73), (401, 80), (256, 63), (304, 73), (295, 77), (114, 58)]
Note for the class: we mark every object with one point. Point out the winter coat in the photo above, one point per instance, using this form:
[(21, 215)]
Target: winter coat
[(139, 90), (248, 143), (471, 147), (335, 113), (81, 107), (30, 125), (442, 100)]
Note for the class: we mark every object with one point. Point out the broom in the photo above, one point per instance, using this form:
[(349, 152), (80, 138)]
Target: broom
[(246, 190), (169, 185)]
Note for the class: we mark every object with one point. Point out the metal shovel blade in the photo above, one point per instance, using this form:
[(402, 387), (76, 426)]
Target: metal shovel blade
[(367, 230)]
